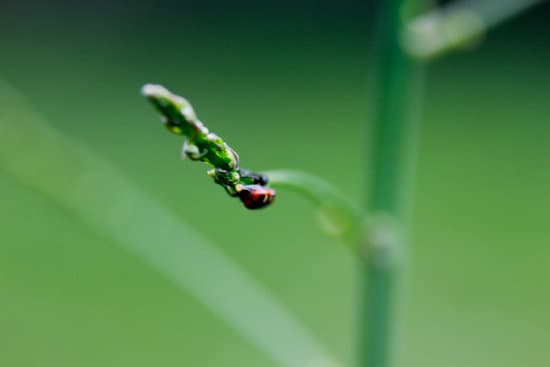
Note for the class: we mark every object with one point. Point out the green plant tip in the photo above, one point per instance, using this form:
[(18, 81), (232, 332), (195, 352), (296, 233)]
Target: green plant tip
[(200, 144)]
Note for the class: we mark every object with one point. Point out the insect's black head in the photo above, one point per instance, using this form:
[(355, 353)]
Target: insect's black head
[(252, 178), (256, 196)]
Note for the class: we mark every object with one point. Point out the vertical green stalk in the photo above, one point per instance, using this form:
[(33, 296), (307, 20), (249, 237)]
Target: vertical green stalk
[(397, 93)]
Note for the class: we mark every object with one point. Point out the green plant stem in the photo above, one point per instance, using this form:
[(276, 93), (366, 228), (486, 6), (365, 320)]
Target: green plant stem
[(339, 217), (396, 101)]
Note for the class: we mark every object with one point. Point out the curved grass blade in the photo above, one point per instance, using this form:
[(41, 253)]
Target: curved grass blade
[(48, 162), (337, 215)]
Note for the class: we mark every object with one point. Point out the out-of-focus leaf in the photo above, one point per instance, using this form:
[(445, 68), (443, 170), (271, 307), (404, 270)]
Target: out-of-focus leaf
[(48, 162)]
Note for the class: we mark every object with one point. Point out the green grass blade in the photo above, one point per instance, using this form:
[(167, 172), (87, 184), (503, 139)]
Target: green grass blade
[(48, 162)]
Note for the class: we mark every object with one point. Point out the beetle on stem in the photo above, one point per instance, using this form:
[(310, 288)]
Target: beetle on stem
[(200, 144)]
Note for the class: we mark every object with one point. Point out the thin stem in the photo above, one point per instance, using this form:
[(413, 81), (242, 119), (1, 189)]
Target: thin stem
[(396, 101), (338, 216), (458, 25)]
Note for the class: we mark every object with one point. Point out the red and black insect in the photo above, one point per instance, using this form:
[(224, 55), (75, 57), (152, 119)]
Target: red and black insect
[(256, 196)]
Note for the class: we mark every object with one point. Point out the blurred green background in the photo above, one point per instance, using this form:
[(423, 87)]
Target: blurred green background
[(287, 85)]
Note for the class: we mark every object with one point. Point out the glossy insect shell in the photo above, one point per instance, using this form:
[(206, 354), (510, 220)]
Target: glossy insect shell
[(256, 196)]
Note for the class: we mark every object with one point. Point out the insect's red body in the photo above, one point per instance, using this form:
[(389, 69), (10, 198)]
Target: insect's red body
[(256, 196)]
